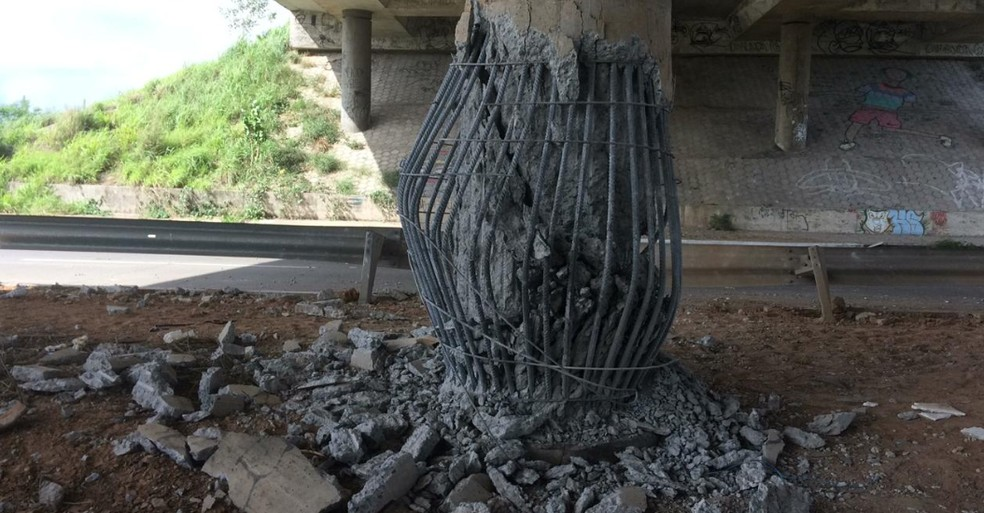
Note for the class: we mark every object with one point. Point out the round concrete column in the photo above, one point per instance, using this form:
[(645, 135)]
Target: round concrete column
[(356, 69)]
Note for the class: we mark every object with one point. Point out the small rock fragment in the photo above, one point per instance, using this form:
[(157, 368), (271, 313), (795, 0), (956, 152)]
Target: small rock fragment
[(908, 415), (509, 491), (10, 413), (803, 439), (974, 433), (173, 337), (773, 446), (168, 441), (117, 310), (51, 494), (831, 424)]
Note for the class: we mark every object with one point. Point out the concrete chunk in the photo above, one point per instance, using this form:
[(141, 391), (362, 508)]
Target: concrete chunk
[(173, 337), (224, 405), (51, 494), (629, 499), (474, 488), (168, 441), (363, 339), (66, 356), (228, 334), (26, 373), (98, 380), (266, 474), (778, 496), (346, 446), (54, 386), (803, 439), (200, 448), (422, 442), (394, 479), (831, 424), (368, 359)]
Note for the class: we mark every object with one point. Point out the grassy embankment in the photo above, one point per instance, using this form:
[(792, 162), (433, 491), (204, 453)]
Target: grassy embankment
[(220, 124)]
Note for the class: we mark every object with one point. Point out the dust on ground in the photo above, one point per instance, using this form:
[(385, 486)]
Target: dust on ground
[(882, 464)]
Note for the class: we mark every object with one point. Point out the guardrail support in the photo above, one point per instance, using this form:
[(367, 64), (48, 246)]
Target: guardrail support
[(823, 284), (370, 261)]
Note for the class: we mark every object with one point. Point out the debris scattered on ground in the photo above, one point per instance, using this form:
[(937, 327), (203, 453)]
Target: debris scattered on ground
[(395, 439)]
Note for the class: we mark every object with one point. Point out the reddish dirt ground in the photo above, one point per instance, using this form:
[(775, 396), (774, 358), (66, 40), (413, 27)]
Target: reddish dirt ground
[(881, 465)]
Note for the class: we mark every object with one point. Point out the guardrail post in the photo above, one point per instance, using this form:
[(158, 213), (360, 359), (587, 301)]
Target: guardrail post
[(370, 261), (823, 284)]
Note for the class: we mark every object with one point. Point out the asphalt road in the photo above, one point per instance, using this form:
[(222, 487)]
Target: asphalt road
[(189, 272), (297, 276)]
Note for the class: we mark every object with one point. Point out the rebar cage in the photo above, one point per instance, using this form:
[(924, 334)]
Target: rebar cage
[(543, 226)]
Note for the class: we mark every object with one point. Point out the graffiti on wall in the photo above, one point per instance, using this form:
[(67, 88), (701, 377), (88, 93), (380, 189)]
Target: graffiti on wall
[(841, 179), (830, 38), (881, 104), (968, 183), (902, 222)]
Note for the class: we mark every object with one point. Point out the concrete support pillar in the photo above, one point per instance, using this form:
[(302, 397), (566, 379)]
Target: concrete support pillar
[(664, 49), (794, 86), (356, 69)]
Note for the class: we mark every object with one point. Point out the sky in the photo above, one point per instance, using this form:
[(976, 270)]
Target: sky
[(67, 53)]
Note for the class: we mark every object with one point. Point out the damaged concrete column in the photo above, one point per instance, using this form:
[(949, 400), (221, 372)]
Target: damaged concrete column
[(356, 69), (792, 118), (524, 201)]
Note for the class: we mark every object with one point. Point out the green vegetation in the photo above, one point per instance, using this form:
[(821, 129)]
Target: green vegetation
[(345, 186), (213, 125), (953, 245), (722, 222)]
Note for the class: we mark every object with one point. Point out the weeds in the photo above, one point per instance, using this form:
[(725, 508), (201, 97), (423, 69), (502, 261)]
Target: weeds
[(722, 222)]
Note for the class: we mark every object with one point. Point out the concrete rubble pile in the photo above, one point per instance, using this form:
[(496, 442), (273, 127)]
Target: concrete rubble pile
[(387, 431), (392, 435)]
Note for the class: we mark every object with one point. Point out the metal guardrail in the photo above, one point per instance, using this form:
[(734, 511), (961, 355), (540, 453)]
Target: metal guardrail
[(329, 243), (706, 263)]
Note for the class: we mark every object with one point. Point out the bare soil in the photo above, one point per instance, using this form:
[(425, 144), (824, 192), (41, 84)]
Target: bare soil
[(881, 465)]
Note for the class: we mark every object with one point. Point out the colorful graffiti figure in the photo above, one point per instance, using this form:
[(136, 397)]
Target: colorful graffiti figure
[(895, 222), (881, 104)]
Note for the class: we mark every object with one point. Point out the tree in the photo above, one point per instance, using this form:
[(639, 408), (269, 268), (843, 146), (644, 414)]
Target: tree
[(245, 16)]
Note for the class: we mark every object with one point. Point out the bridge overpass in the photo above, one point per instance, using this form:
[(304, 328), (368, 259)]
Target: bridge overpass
[(786, 27), (769, 119)]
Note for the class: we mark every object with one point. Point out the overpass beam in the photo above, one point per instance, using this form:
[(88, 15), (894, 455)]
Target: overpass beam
[(794, 86), (356, 69)]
